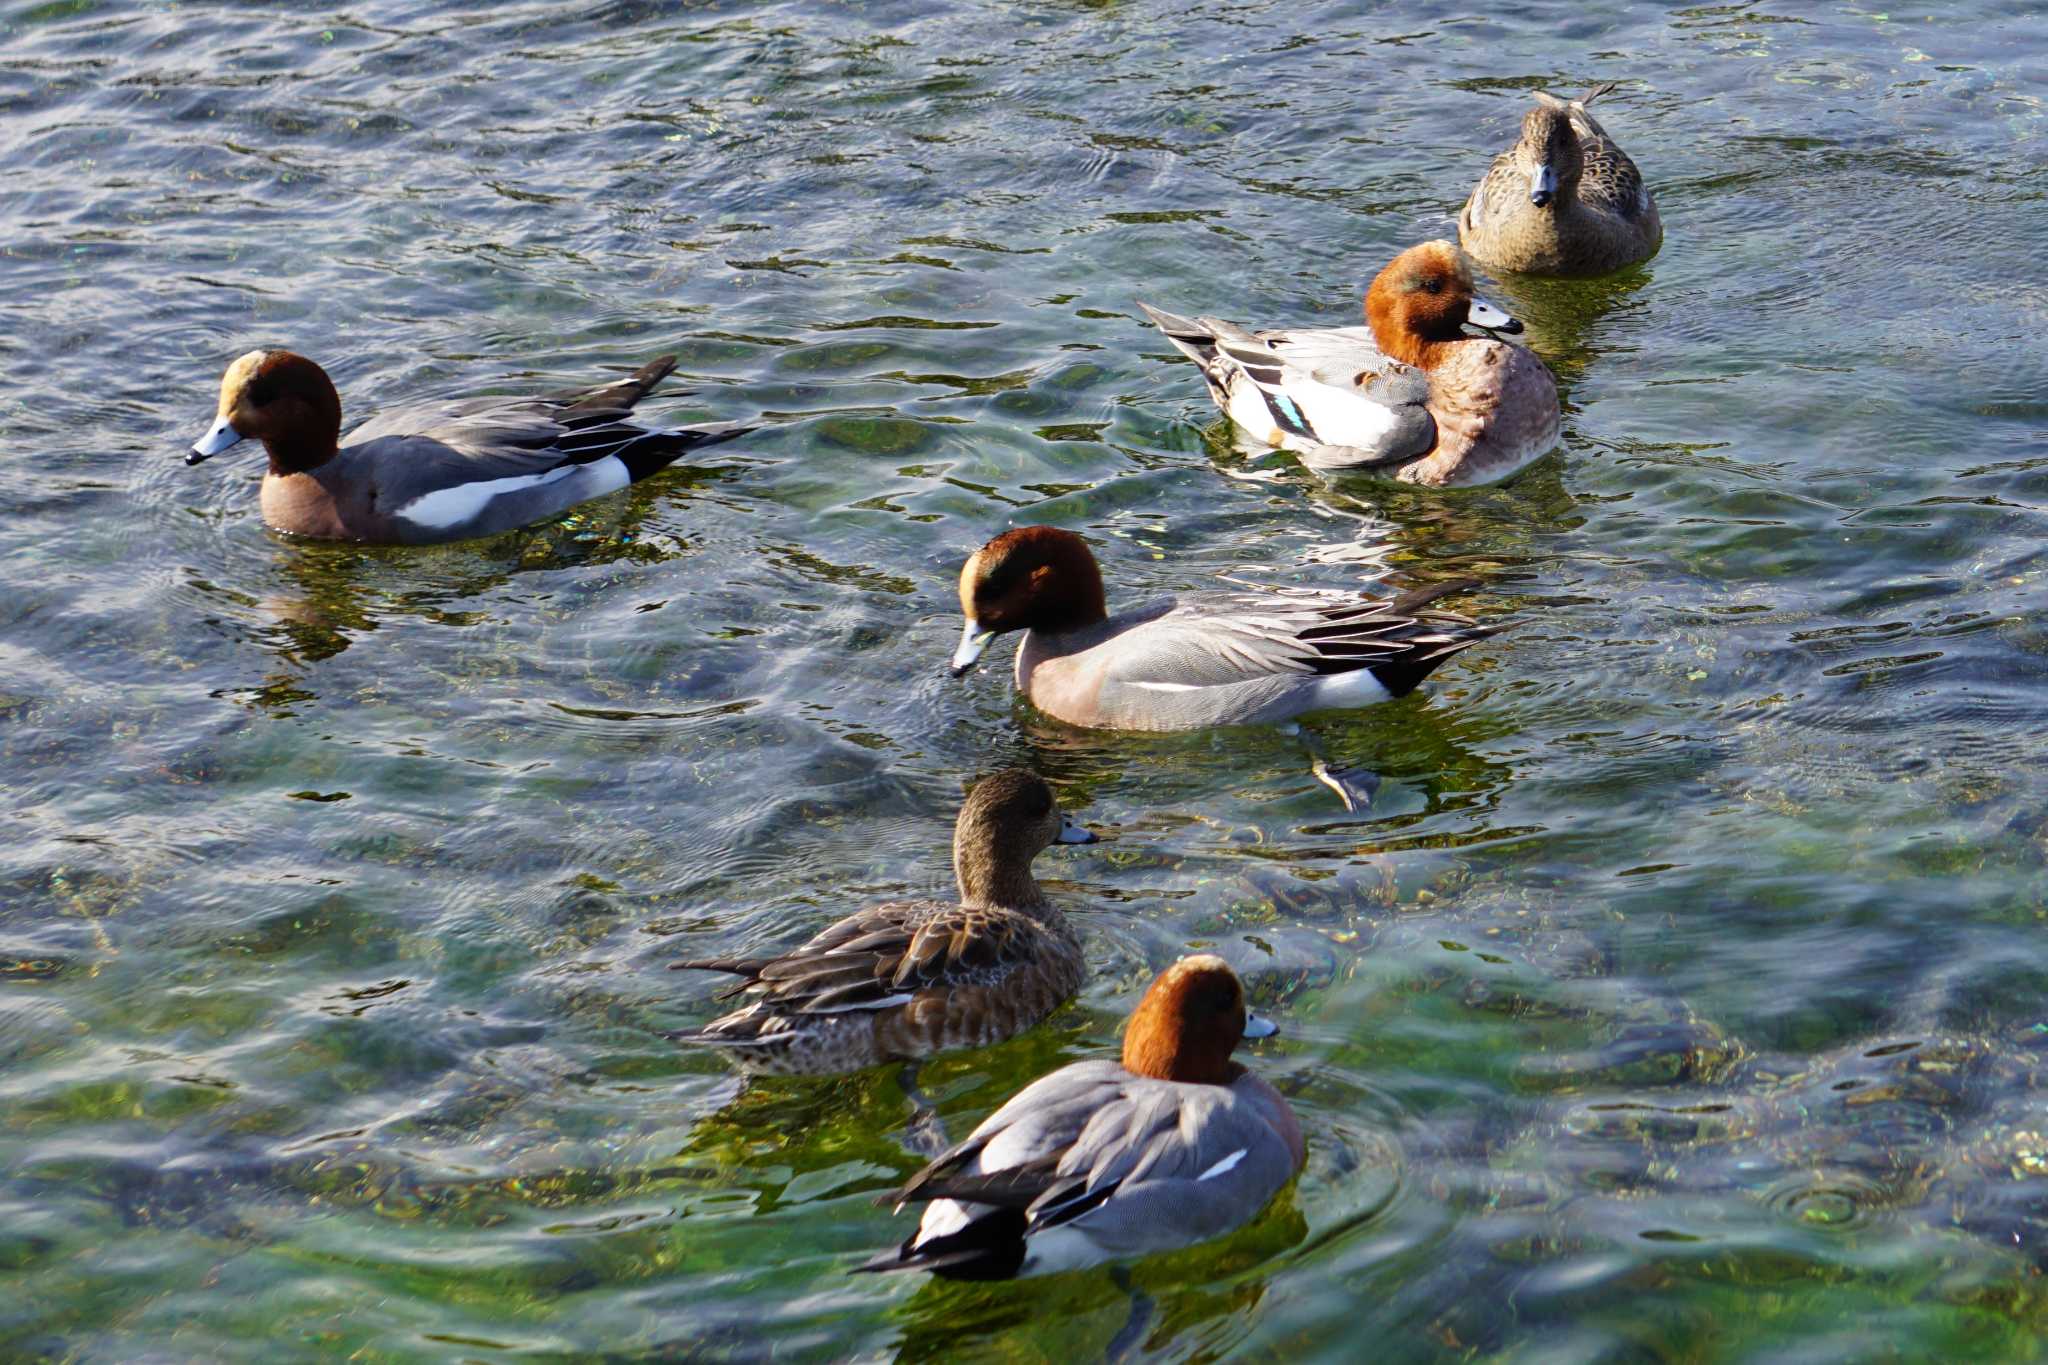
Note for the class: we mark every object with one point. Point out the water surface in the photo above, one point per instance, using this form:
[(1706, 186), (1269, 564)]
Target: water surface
[(1681, 998)]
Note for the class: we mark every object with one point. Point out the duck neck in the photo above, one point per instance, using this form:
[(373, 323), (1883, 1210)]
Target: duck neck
[(302, 431), (296, 454), (990, 874), (1075, 601), (1412, 348)]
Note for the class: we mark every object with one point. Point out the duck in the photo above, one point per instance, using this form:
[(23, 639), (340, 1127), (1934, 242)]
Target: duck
[(432, 472), (1413, 395), (1564, 200), (1172, 1145), (1195, 660), (906, 979)]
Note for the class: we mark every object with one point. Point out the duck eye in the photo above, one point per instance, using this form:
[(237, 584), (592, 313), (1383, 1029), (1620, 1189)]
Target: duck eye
[(1433, 285)]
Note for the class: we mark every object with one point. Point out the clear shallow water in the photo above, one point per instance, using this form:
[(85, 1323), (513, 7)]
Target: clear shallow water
[(1681, 999)]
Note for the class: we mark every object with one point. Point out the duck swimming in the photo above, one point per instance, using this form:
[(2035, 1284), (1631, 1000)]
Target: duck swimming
[(1564, 200), (903, 980), (1198, 660), (1171, 1146), (1203, 659), (1413, 395), (436, 471)]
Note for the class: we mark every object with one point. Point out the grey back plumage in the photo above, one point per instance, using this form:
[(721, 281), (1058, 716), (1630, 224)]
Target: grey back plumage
[(1130, 1163)]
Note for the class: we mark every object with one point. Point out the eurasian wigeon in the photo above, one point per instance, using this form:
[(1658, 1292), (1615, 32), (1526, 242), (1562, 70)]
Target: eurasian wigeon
[(1103, 1160), (436, 471), (1198, 660), (904, 980), (1412, 395), (1564, 200)]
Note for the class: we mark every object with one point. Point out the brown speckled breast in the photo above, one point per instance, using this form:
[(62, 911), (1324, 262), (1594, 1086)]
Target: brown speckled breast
[(1495, 407)]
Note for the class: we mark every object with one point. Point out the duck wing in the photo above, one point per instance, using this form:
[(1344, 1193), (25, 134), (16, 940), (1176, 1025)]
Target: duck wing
[(437, 446), (1501, 194), (1610, 180), (883, 956), (1220, 639), (1331, 388)]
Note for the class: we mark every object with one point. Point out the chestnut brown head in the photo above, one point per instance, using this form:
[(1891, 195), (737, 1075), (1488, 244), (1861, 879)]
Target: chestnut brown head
[(1032, 578), (1191, 1019), (281, 399), (1423, 299)]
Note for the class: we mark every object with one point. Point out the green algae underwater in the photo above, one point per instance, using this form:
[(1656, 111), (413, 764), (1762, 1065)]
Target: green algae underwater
[(1679, 999)]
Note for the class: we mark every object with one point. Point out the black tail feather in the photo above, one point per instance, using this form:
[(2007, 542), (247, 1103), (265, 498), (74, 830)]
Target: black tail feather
[(660, 449), (1415, 599)]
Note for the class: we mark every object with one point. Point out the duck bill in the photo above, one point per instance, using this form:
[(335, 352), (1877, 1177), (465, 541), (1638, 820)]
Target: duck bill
[(1073, 832), (1259, 1026), (219, 438), (1543, 186), (1488, 318), (973, 640)]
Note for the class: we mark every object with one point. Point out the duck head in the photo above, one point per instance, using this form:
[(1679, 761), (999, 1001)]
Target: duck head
[(1549, 151), (1007, 820), (1032, 578), (1423, 300), (281, 399), (1190, 1021)]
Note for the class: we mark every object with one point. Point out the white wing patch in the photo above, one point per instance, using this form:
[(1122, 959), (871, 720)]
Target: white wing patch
[(1338, 417), (886, 1002), (1224, 1166), (1248, 409)]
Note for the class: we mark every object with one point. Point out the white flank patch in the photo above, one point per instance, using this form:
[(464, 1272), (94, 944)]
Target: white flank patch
[(942, 1218), (1167, 687), (1228, 1163), (1356, 688), (1061, 1248), (465, 502)]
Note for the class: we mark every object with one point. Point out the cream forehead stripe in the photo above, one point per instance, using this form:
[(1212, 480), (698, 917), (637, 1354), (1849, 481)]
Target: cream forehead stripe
[(237, 378), (970, 574)]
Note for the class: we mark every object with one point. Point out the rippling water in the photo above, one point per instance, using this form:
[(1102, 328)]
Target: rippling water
[(1680, 999)]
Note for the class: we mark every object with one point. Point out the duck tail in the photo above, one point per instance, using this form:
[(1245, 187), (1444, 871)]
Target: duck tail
[(609, 402), (1415, 599), (990, 1247), (657, 450), (1188, 336), (1579, 104), (1442, 635)]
